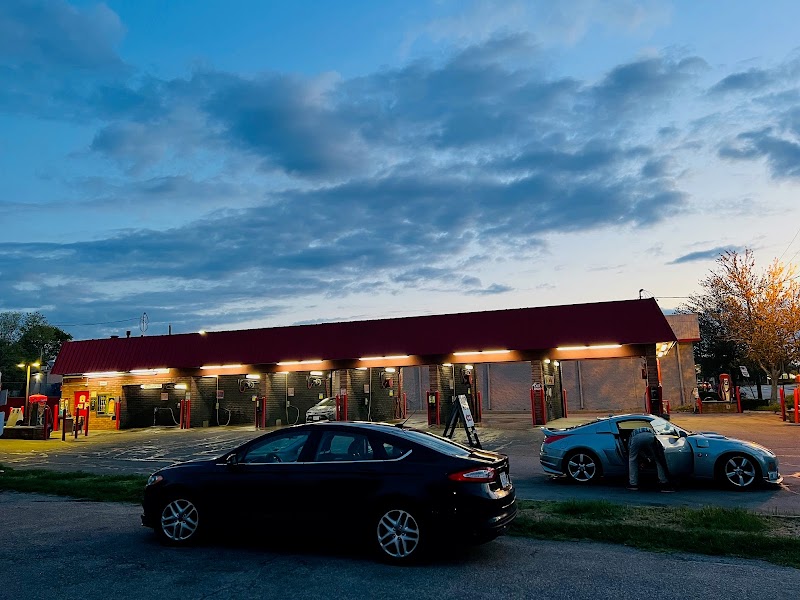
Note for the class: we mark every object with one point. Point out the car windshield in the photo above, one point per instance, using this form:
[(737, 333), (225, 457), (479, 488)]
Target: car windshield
[(664, 427), (326, 403), (436, 443)]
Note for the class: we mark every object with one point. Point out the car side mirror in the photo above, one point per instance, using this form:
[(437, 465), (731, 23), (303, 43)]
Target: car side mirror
[(682, 434), (232, 459)]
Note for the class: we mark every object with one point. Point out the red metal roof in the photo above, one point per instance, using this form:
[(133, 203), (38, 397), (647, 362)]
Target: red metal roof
[(524, 329)]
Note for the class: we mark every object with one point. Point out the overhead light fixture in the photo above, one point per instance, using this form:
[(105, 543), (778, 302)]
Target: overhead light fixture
[(393, 357), (315, 373), (289, 363), (547, 361), (556, 363), (149, 371), (202, 332), (252, 376), (104, 374), (468, 367), (221, 366), (447, 364), (150, 386), (472, 352), (594, 347), (389, 369), (180, 386)]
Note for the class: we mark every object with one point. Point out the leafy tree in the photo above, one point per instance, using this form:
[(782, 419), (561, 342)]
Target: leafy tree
[(27, 337), (756, 313)]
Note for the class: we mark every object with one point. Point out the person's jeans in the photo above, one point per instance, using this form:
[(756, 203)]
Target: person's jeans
[(644, 444)]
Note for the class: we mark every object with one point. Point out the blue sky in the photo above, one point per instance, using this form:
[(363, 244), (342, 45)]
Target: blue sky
[(225, 165)]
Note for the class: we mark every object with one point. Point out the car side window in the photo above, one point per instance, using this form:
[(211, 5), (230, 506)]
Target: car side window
[(394, 450), (278, 448), (343, 446)]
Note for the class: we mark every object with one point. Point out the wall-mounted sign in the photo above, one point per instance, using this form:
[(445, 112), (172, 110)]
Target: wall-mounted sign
[(549, 379), (537, 385), (220, 394), (165, 395)]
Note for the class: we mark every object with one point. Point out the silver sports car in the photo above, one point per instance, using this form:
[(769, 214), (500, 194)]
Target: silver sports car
[(587, 452)]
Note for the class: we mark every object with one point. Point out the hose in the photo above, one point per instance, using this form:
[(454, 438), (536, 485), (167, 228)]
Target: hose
[(297, 417), (171, 413), (230, 413)]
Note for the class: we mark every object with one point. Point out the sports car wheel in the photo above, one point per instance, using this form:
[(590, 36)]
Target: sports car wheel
[(739, 472), (399, 535), (179, 522), (582, 467)]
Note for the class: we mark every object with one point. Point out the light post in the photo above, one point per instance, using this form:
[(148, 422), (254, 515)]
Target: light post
[(27, 367)]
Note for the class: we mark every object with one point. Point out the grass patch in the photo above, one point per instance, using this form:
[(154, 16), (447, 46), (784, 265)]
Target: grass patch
[(105, 488), (709, 530)]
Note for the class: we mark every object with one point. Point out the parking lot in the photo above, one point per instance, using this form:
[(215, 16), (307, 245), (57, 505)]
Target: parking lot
[(142, 451)]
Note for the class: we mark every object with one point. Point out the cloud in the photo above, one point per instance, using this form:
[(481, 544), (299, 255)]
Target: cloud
[(704, 255), (782, 154), (746, 81)]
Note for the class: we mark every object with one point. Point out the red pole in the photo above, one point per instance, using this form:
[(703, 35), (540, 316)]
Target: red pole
[(345, 407), (264, 412), (480, 406), (533, 407), (438, 410), (338, 409), (86, 422), (738, 399), (405, 405), (796, 405), (648, 404), (782, 395), (188, 413), (564, 396), (116, 411)]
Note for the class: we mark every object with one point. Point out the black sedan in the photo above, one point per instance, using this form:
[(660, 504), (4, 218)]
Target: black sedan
[(402, 488)]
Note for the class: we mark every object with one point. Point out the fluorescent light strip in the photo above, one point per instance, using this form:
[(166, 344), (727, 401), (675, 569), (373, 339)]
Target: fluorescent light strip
[(472, 352), (221, 366), (289, 363), (251, 376), (395, 357), (149, 371), (104, 374), (595, 347)]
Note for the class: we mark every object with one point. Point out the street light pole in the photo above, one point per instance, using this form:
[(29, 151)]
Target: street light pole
[(27, 367)]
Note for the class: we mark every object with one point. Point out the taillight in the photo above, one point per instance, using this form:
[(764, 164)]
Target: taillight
[(482, 475), (553, 438)]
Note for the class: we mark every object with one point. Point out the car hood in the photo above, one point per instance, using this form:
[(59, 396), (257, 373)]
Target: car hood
[(711, 436), (321, 410), (202, 463)]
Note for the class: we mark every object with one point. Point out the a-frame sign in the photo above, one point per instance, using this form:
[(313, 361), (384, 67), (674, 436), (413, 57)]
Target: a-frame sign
[(461, 412)]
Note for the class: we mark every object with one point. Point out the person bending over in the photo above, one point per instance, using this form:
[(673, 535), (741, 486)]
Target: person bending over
[(643, 441)]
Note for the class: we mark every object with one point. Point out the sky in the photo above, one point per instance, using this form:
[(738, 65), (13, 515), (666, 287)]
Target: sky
[(228, 165)]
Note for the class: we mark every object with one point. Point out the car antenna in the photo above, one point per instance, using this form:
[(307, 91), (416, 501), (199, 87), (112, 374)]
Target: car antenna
[(403, 424)]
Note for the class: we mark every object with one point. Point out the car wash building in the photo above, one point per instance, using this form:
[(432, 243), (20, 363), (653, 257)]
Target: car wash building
[(373, 370)]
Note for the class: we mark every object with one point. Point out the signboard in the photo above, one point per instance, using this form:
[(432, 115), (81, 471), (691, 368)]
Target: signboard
[(461, 412), (537, 385), (744, 371), (165, 396), (549, 379), (462, 400), (220, 394)]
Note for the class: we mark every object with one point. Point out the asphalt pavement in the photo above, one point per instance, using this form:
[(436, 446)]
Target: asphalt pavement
[(143, 451)]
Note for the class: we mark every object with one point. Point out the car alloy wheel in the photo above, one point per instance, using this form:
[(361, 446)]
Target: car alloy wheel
[(179, 521), (740, 471), (398, 534), (582, 467)]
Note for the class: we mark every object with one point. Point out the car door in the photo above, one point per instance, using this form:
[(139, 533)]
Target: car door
[(346, 474), (266, 477)]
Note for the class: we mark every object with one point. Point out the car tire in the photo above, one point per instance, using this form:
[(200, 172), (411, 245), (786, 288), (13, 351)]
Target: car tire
[(583, 467), (400, 535), (178, 521), (738, 472)]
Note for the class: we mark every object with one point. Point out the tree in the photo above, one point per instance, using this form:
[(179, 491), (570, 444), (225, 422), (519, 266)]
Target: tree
[(27, 337), (758, 312)]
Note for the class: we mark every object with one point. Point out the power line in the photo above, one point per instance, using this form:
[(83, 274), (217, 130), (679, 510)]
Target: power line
[(92, 324), (789, 246)]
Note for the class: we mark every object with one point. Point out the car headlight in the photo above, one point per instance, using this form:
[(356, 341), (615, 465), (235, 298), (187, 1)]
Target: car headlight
[(154, 479)]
